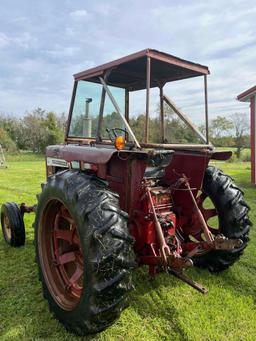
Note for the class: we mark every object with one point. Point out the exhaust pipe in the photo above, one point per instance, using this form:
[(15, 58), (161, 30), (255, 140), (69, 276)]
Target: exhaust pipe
[(87, 121)]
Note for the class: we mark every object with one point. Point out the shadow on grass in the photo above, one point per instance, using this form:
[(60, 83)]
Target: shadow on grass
[(26, 316), (149, 300)]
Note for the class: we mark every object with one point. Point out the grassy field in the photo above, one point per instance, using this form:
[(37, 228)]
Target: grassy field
[(162, 309)]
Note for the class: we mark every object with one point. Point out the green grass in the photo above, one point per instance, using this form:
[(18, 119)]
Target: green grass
[(160, 309)]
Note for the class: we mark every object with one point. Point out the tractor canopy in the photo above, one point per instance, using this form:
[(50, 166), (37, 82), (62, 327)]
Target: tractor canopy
[(99, 110)]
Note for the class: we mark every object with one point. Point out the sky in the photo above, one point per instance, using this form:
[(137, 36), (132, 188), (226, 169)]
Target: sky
[(43, 43)]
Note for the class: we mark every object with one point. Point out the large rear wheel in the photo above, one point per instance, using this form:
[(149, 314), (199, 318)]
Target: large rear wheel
[(84, 252), (225, 212)]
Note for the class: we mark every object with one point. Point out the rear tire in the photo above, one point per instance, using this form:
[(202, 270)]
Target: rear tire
[(233, 218), (12, 224), (105, 248)]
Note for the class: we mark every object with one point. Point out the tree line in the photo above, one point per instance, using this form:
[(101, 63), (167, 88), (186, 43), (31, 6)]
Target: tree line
[(35, 131), (40, 128)]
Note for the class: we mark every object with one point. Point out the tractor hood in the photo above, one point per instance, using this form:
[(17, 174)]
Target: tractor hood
[(96, 155)]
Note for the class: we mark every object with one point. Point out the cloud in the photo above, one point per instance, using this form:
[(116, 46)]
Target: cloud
[(78, 14), (42, 44), (4, 40)]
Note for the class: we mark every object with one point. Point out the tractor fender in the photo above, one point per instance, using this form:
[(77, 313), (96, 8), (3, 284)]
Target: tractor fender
[(90, 154), (222, 156)]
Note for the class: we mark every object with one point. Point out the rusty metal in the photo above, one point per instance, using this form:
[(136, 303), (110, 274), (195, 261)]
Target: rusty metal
[(183, 146), (174, 146), (161, 114), (127, 105), (101, 111), (126, 110), (164, 248), (70, 110), (27, 209), (244, 96), (222, 243), (88, 154), (116, 106), (206, 109), (148, 74), (189, 69), (223, 156), (177, 262), (208, 236), (189, 281), (64, 282), (184, 118)]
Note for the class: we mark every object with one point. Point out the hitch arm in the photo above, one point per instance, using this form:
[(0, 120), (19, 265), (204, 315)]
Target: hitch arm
[(189, 281), (164, 248), (208, 236)]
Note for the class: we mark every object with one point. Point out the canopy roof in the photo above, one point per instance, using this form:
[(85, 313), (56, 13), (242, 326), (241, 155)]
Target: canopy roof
[(246, 95), (130, 71)]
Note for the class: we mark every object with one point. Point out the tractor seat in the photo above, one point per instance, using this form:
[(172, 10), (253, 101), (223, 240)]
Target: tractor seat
[(154, 172), (157, 163)]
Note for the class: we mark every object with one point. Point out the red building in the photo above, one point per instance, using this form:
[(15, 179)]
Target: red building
[(250, 96)]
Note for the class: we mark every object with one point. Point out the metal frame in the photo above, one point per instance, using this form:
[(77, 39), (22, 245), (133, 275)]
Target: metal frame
[(111, 97), (147, 98), (71, 109), (206, 109), (162, 133), (149, 54), (184, 118), (101, 111)]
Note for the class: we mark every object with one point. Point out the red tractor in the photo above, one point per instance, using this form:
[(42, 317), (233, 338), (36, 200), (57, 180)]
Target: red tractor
[(113, 201)]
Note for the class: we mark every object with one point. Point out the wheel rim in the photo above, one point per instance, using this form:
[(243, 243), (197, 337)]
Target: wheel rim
[(208, 213), (60, 254), (7, 227), (193, 230)]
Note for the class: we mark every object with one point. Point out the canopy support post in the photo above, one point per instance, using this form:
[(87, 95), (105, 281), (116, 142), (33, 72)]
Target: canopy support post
[(147, 98)]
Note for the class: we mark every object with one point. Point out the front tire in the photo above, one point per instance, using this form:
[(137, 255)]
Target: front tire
[(12, 224), (232, 212), (84, 252)]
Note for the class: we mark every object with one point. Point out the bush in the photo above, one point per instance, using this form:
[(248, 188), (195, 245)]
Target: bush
[(246, 156), (7, 143)]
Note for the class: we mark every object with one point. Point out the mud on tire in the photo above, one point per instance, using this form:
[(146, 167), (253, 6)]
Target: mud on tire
[(106, 246), (233, 218)]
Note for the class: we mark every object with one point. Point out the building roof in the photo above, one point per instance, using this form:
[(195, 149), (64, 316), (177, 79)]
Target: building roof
[(130, 71), (246, 95)]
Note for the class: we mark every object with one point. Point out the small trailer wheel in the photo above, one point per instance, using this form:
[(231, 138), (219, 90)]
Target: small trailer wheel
[(12, 224)]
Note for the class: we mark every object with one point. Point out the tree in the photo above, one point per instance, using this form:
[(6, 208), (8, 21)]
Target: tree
[(241, 131), (6, 142), (219, 129), (53, 133), (219, 126), (41, 129)]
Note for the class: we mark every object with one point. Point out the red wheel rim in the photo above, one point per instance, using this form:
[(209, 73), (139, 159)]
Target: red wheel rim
[(208, 213), (60, 254), (193, 228)]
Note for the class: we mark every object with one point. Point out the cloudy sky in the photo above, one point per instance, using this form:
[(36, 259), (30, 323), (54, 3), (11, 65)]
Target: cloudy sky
[(43, 43)]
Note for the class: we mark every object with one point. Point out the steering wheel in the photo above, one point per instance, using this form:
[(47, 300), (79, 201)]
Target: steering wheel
[(112, 133)]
